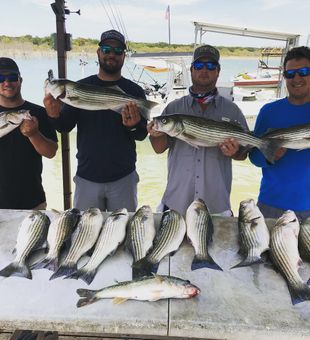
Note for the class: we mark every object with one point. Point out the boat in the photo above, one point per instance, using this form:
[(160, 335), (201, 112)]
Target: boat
[(266, 76)]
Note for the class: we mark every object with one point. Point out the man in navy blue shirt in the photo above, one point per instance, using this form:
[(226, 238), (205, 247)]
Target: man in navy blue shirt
[(106, 175)]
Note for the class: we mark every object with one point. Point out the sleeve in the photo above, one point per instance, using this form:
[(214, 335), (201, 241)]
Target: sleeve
[(67, 120), (139, 132), (255, 155), (45, 127)]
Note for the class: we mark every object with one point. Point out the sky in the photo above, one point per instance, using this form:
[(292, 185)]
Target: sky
[(144, 21)]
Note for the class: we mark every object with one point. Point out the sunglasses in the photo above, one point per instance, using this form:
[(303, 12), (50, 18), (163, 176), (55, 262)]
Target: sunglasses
[(9, 77), (108, 49), (199, 65), (302, 72)]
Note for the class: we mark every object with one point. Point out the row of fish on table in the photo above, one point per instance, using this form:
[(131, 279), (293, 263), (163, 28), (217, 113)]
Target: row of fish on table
[(70, 236), (196, 131)]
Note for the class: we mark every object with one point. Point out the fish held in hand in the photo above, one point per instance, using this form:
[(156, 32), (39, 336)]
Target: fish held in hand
[(254, 234), (151, 288), (285, 255), (31, 235), (199, 231), (199, 131), (92, 97), (11, 119)]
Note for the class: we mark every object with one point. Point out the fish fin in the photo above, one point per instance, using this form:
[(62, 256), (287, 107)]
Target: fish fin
[(207, 262), (50, 75), (248, 261), (88, 297), (269, 150), (119, 300), (300, 293), (143, 267), (64, 270), (84, 275), (16, 269), (51, 264)]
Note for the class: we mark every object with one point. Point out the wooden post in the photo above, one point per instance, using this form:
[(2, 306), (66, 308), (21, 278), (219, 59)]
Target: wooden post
[(59, 9)]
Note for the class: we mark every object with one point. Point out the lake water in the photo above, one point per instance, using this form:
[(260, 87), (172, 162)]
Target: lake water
[(151, 167)]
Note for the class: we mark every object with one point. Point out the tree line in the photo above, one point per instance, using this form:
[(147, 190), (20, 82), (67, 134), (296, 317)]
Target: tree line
[(90, 45)]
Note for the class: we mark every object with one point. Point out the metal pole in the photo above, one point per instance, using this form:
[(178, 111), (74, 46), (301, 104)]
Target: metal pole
[(59, 9)]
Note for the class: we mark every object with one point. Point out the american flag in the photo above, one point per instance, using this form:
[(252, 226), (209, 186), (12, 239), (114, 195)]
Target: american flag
[(167, 15)]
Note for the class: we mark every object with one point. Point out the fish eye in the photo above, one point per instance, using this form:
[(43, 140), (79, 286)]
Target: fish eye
[(164, 120)]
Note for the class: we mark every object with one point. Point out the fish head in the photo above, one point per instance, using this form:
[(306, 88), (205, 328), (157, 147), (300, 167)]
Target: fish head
[(248, 210), (56, 87), (171, 125), (190, 290), (289, 220)]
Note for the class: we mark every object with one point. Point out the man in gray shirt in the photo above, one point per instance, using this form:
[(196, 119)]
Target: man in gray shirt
[(206, 172)]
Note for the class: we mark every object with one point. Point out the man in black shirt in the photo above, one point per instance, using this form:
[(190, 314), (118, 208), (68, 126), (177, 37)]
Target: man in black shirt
[(21, 150), (106, 175)]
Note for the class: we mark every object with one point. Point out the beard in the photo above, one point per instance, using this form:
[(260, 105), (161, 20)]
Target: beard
[(110, 69)]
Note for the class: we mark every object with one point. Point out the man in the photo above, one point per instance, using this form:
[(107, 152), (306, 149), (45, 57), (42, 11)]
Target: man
[(106, 175), (286, 183), (204, 173), (22, 149)]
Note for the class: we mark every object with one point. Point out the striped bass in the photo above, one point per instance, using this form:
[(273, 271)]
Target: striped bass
[(285, 255), (141, 233), (294, 137), (91, 97), (199, 231), (199, 131), (31, 235), (112, 235), (304, 240), (151, 288), (168, 239), (83, 239), (11, 119), (60, 231), (254, 234)]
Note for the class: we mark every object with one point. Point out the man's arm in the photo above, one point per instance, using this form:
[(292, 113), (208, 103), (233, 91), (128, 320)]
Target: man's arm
[(159, 140), (44, 146)]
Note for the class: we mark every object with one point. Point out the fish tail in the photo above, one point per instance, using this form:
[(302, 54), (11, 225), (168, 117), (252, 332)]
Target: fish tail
[(51, 264), (207, 262), (300, 293), (16, 269), (86, 276), (88, 297), (143, 267), (64, 270), (145, 112), (248, 261)]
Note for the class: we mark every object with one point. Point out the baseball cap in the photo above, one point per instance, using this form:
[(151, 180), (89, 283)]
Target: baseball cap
[(112, 35), (8, 65), (206, 51)]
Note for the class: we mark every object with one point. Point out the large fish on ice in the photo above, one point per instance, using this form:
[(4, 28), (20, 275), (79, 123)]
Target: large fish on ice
[(151, 288), (83, 239), (199, 131), (140, 233), (167, 240), (285, 255), (31, 235), (92, 97), (199, 231), (112, 235), (11, 119), (254, 234), (59, 232)]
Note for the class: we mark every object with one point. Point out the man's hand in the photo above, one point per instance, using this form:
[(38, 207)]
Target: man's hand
[(52, 106), (29, 127), (229, 147), (130, 115), (152, 132)]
